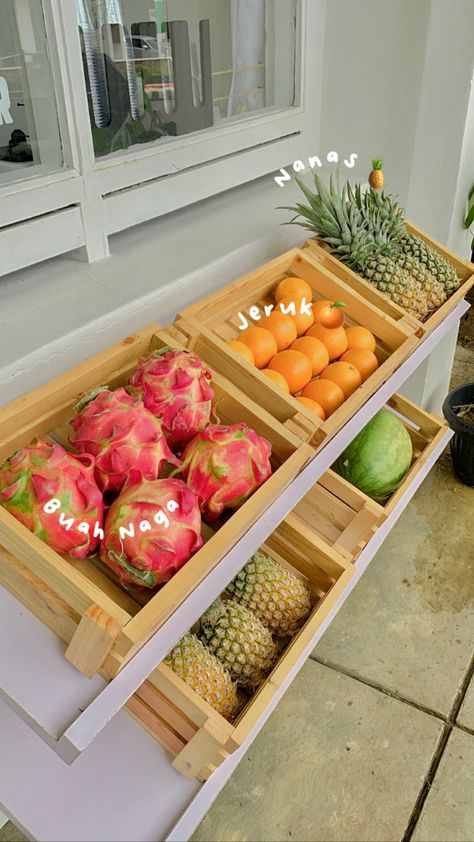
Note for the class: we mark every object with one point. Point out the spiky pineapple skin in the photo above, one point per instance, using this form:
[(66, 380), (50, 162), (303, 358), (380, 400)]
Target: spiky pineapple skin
[(202, 671), (240, 640), (433, 291), (434, 262), (396, 283), (275, 595)]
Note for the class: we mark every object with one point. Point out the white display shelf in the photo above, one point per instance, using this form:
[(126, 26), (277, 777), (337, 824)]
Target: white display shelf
[(99, 701), (46, 693), (124, 786)]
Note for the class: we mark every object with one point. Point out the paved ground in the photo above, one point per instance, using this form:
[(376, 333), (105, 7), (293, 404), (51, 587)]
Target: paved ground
[(374, 741)]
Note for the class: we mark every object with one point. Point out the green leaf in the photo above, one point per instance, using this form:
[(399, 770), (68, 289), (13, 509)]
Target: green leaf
[(311, 197), (470, 217)]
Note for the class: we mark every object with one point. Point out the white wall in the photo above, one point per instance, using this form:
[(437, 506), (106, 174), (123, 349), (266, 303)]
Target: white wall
[(373, 69), (442, 116), (459, 239), (397, 82)]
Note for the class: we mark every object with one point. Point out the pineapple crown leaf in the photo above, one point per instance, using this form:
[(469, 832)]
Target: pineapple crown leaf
[(312, 198), (377, 163)]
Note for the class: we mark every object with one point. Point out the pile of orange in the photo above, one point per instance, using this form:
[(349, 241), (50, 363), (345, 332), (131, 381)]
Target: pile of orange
[(309, 353)]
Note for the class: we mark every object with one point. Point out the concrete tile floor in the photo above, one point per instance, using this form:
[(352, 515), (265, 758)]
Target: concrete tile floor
[(374, 740), (337, 761), (448, 812), (466, 714)]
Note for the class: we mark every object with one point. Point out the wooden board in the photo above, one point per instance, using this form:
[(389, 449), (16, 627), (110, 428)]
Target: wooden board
[(208, 325), (102, 623), (463, 268)]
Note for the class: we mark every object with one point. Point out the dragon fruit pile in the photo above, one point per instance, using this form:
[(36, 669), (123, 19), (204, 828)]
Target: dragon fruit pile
[(127, 442)]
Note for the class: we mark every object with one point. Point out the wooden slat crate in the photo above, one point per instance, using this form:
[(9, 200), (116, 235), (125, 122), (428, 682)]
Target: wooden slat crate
[(211, 322), (80, 600), (463, 268), (319, 541), (426, 430)]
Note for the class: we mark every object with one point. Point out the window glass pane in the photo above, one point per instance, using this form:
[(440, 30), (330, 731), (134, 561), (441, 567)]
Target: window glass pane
[(156, 69), (29, 132)]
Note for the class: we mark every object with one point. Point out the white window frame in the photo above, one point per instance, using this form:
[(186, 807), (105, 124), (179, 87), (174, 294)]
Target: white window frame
[(92, 199)]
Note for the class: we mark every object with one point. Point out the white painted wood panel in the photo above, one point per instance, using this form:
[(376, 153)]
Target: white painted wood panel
[(41, 238)]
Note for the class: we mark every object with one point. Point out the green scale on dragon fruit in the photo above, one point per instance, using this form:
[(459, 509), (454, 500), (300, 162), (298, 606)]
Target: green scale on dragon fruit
[(224, 465), (175, 386), (42, 472), (151, 530), (122, 435), (377, 460)]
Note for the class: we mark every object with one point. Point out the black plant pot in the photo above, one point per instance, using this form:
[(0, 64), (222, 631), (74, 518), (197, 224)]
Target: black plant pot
[(462, 443)]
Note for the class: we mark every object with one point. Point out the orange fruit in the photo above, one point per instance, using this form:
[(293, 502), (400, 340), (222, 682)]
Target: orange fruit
[(325, 392), (295, 367), (293, 288), (303, 320), (328, 313), (313, 406), (282, 327), (261, 342), (314, 349), (360, 337), (242, 349), (277, 378), (332, 315), (344, 375), (334, 338), (365, 361)]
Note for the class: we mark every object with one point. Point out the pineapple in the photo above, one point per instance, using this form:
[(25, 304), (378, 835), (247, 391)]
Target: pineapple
[(434, 262), (202, 671), (240, 641), (397, 284), (364, 230), (376, 178), (381, 206), (275, 595), (433, 291)]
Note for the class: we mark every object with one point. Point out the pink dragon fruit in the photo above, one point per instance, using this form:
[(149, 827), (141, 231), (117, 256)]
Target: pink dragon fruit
[(121, 434), (151, 530), (224, 465), (174, 386), (54, 494)]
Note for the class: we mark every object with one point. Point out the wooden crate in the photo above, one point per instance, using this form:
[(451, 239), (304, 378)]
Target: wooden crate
[(211, 322), (319, 541), (80, 600), (426, 430), (463, 268)]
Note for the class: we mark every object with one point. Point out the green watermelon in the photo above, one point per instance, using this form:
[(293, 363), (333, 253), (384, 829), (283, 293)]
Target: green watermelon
[(377, 460)]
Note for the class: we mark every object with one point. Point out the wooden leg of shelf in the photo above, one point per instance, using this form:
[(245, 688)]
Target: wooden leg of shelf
[(93, 640)]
